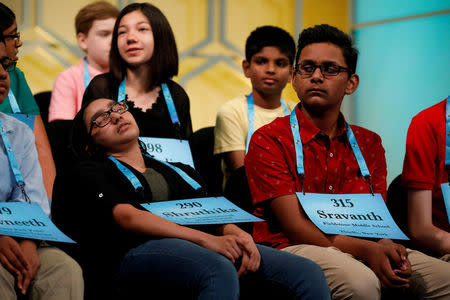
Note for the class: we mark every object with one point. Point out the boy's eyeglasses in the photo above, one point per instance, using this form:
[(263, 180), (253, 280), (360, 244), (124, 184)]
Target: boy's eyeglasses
[(307, 69), (8, 64), (15, 36), (105, 117)]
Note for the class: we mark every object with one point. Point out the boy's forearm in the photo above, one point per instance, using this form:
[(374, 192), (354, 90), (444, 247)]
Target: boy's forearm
[(45, 156), (234, 159), (420, 223), (301, 230), (433, 239)]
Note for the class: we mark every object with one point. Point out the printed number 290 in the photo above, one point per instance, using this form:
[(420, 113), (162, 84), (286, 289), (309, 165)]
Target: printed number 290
[(189, 205)]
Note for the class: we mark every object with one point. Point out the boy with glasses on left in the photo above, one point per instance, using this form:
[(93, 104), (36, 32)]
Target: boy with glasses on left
[(28, 267), (20, 99)]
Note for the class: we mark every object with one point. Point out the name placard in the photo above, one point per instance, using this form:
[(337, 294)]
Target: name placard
[(446, 193), (28, 220), (27, 119), (363, 215), (201, 211), (170, 150)]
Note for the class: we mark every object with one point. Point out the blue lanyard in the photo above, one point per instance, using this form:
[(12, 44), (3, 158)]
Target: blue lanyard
[(137, 184), (17, 112), (13, 162), (86, 76), (13, 102), (170, 104), (167, 96), (25, 118), (295, 128), (447, 135), (251, 117)]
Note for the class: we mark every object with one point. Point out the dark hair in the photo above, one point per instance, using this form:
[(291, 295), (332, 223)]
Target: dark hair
[(82, 144), (7, 17), (270, 36), (100, 10), (164, 61), (328, 34)]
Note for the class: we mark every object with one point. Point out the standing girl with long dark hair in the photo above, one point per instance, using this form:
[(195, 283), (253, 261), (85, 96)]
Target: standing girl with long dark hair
[(143, 59)]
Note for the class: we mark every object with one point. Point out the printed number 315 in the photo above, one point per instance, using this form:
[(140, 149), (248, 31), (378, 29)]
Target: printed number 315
[(342, 203)]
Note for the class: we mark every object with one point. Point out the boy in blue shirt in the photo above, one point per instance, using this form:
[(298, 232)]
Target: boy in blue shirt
[(38, 271)]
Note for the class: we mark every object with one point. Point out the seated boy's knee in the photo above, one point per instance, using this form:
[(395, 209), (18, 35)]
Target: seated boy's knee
[(363, 284), (58, 262), (6, 284)]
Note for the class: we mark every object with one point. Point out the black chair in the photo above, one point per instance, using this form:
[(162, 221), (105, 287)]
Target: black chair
[(59, 137), (238, 192), (397, 203), (43, 102), (206, 163)]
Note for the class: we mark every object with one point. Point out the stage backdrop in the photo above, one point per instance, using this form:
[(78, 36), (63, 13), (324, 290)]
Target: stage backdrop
[(210, 35)]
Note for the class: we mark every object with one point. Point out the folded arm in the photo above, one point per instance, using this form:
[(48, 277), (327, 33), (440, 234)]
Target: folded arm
[(147, 223), (380, 256), (420, 223)]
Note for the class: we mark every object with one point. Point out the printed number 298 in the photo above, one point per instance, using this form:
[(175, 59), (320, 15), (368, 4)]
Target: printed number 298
[(154, 148)]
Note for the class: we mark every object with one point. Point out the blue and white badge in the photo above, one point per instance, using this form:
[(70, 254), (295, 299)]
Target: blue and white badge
[(363, 215), (201, 211), (170, 150), (446, 193), (28, 220)]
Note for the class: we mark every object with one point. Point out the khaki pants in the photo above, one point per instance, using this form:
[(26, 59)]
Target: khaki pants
[(58, 278), (349, 278)]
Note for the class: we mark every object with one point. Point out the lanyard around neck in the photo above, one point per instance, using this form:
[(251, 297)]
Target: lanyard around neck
[(86, 75), (137, 184), (13, 102), (251, 117), (167, 96), (295, 128), (447, 135), (12, 161)]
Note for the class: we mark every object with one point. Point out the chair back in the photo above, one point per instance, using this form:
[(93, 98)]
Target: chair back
[(43, 102), (238, 192), (206, 163), (397, 203), (59, 132)]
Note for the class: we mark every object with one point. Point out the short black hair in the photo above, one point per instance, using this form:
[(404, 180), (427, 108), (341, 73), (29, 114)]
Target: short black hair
[(270, 36), (7, 17), (164, 61), (82, 145), (325, 33)]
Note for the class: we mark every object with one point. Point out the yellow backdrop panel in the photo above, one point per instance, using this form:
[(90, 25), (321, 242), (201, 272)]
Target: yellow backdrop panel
[(210, 36)]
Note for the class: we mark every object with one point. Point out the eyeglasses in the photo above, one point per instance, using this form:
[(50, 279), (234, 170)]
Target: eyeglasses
[(104, 118), (15, 36), (8, 64), (307, 69)]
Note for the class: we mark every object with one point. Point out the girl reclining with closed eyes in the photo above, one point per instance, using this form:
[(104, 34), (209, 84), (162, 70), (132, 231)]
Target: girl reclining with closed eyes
[(123, 247)]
